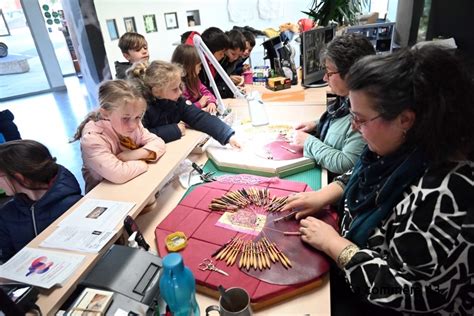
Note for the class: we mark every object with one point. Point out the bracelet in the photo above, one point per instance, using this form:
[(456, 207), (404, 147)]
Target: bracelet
[(346, 255)]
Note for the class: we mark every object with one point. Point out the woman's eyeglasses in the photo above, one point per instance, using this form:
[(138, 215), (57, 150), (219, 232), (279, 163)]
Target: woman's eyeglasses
[(330, 73), (358, 123)]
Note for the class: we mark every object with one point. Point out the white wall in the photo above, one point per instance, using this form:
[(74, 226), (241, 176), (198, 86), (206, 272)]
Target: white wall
[(212, 13)]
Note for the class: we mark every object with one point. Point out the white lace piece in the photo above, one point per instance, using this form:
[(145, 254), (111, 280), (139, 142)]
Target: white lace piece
[(246, 179)]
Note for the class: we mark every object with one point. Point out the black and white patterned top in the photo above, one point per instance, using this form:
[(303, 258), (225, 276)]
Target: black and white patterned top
[(421, 258)]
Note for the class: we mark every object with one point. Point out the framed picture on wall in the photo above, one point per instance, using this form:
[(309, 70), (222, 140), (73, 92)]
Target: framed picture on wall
[(171, 19), (150, 23), (193, 17), (130, 25), (112, 28)]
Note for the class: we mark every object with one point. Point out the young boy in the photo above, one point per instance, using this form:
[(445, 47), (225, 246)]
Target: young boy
[(218, 43), (229, 62), (134, 48), (234, 52), (249, 45)]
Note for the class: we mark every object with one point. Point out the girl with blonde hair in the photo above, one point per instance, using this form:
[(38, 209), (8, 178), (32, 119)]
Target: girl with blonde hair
[(167, 109), (115, 146)]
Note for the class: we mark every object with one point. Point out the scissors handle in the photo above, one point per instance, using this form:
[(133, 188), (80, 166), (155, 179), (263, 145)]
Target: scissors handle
[(207, 264)]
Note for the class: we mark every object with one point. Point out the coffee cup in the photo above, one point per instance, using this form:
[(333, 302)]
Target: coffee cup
[(235, 302)]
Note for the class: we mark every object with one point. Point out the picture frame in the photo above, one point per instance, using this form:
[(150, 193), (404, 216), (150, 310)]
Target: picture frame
[(171, 20), (130, 25), (150, 23), (112, 28), (193, 17)]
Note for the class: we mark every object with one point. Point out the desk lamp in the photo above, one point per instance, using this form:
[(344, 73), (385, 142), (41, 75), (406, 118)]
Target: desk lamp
[(255, 104)]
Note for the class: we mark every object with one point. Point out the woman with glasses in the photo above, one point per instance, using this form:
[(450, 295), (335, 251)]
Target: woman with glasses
[(330, 141), (406, 243)]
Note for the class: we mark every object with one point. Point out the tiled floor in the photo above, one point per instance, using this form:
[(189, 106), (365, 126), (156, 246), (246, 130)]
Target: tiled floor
[(52, 119)]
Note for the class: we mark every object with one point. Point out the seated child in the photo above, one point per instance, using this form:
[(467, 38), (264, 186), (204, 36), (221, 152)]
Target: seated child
[(115, 146), (42, 191), (217, 42), (234, 52), (134, 48), (229, 62), (8, 129), (161, 82), (241, 66), (193, 90)]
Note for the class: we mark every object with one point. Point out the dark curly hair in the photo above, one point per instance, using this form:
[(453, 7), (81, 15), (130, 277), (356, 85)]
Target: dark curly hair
[(345, 50), (433, 83)]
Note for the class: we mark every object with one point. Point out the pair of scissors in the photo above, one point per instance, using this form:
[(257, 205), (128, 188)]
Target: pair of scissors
[(207, 264)]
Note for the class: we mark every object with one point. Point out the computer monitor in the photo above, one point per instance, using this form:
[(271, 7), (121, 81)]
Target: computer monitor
[(312, 43)]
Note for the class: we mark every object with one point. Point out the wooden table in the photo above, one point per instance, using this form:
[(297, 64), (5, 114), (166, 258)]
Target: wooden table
[(309, 104), (314, 302)]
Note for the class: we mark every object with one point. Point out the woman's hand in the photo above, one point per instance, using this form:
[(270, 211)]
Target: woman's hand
[(306, 203), (319, 234), (299, 137), (211, 108), (203, 100), (306, 126), (234, 142), (182, 128)]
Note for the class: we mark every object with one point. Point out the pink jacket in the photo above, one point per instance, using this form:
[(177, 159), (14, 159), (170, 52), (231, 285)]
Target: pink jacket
[(100, 146), (203, 91)]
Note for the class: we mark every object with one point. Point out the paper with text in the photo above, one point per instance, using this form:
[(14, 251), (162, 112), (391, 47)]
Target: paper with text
[(101, 215)]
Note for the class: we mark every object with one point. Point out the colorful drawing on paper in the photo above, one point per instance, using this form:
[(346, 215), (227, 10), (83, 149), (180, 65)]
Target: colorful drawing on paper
[(39, 266)]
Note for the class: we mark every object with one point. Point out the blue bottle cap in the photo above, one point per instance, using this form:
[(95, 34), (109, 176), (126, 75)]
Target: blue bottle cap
[(173, 261)]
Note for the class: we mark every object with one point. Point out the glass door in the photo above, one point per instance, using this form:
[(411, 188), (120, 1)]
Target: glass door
[(21, 70), (58, 32)]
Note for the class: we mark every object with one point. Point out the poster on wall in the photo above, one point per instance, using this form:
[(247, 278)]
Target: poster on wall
[(171, 19), (150, 23), (112, 28), (193, 17), (130, 24)]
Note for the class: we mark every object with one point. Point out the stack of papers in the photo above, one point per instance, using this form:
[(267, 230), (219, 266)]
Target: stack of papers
[(90, 227)]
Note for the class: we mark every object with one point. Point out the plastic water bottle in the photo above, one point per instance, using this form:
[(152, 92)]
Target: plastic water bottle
[(178, 286)]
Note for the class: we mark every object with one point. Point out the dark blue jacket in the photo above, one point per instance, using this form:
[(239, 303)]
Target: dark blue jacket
[(21, 219), (8, 127), (162, 117)]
